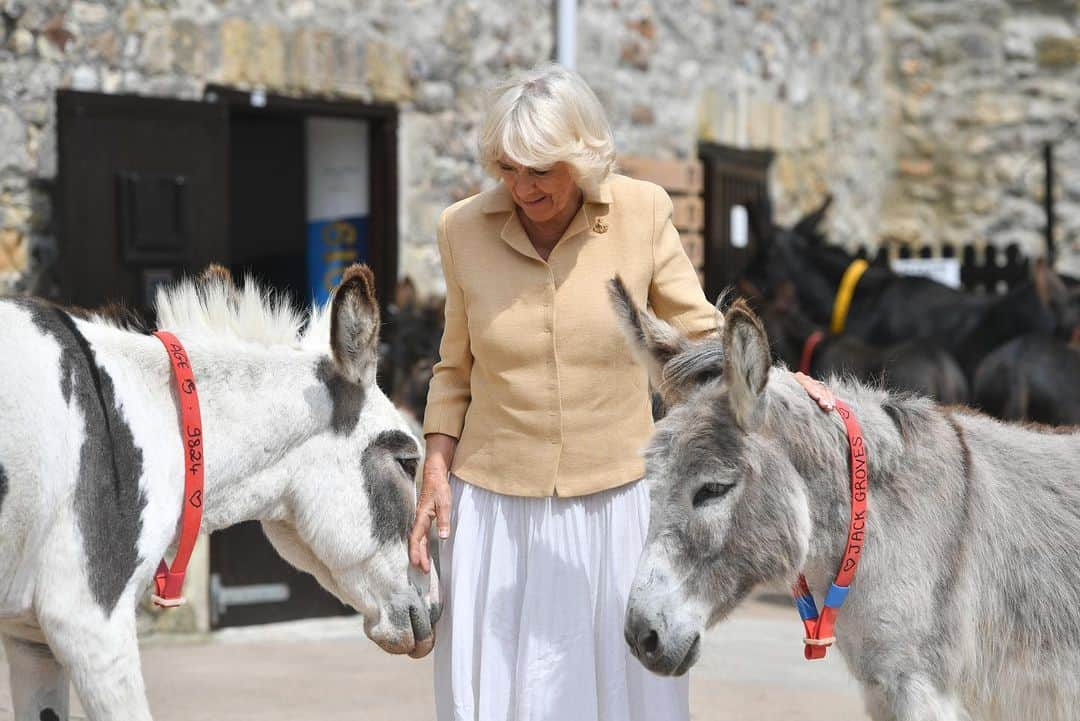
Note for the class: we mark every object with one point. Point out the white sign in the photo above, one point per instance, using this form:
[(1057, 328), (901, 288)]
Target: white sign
[(740, 226), (943, 270), (338, 169)]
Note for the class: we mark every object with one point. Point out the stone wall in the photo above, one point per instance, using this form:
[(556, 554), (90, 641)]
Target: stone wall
[(923, 119), (976, 89), (801, 78)]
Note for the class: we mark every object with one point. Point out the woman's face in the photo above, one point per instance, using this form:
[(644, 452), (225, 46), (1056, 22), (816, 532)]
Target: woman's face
[(541, 193)]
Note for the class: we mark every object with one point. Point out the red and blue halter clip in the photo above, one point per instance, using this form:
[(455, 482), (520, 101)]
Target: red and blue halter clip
[(169, 582), (819, 629)]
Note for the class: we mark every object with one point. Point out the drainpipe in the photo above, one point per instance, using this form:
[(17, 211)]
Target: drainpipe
[(566, 32)]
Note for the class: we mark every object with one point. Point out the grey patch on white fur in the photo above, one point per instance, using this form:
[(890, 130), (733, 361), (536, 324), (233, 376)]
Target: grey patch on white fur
[(108, 501), (3, 487), (347, 397), (386, 484)]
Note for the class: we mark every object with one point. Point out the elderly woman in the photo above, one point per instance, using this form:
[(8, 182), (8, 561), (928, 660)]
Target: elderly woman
[(537, 413)]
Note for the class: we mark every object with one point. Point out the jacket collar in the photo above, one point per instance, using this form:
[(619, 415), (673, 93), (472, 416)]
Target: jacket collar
[(498, 200)]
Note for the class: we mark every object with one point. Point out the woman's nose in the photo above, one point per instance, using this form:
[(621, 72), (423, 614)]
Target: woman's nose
[(523, 184)]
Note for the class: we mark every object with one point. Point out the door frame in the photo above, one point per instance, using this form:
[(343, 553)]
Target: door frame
[(382, 121)]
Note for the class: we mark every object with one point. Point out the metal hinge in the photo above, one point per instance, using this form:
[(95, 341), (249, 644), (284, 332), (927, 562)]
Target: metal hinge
[(222, 597)]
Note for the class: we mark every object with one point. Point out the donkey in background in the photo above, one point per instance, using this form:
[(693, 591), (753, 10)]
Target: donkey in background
[(298, 436), (966, 604)]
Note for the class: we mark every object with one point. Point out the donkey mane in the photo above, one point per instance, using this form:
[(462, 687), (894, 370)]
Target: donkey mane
[(211, 306), (700, 361)]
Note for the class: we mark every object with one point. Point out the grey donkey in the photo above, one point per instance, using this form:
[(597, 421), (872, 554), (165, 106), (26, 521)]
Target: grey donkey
[(966, 604)]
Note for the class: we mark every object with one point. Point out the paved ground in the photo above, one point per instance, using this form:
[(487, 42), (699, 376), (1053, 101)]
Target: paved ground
[(751, 669)]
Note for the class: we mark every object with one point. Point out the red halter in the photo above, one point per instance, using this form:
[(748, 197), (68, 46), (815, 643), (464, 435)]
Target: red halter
[(819, 629), (169, 582)]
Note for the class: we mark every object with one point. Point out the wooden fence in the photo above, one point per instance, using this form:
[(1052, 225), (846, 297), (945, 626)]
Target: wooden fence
[(988, 270)]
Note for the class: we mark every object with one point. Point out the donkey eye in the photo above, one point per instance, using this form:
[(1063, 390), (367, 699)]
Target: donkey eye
[(408, 465), (711, 492)]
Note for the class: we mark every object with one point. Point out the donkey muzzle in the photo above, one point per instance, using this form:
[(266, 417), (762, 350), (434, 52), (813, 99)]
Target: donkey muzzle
[(661, 648)]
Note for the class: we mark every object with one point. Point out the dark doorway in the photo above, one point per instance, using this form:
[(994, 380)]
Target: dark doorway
[(150, 189), (266, 218)]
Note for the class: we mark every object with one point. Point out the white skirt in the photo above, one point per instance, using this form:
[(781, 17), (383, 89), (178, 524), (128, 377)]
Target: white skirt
[(536, 592)]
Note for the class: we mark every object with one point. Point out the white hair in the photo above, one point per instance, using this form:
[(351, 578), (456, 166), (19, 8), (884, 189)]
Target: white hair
[(547, 115)]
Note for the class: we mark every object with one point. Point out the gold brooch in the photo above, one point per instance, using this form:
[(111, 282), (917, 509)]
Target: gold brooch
[(600, 226)]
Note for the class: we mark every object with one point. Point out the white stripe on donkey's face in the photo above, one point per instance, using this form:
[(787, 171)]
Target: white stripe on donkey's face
[(298, 436)]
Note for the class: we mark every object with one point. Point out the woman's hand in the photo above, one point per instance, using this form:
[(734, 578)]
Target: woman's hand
[(817, 391), (434, 500)]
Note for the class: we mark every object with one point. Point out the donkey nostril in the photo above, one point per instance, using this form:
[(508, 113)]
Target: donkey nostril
[(649, 642)]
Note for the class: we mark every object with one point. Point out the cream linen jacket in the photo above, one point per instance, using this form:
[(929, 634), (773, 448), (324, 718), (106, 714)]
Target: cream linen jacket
[(535, 376)]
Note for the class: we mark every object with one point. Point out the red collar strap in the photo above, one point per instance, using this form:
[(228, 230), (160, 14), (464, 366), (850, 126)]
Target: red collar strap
[(169, 582), (808, 349), (819, 629)]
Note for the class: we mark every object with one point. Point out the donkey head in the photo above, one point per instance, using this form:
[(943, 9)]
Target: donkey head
[(727, 510), (351, 493)]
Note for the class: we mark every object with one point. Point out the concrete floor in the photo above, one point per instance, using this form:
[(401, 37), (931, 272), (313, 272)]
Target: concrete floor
[(751, 668)]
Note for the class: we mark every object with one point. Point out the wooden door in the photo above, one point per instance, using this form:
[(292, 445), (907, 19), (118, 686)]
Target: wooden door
[(733, 178), (142, 193)]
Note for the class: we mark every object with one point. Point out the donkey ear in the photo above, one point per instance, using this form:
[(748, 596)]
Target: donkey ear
[(1049, 286), (746, 364), (354, 325), (652, 341)]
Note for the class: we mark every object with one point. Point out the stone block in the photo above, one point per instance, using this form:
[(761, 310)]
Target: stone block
[(14, 254), (759, 123), (104, 46), (350, 76), (388, 72), (84, 77), (688, 212), (21, 41), (269, 64), (642, 114), (324, 61), (916, 167), (675, 176), (235, 48), (156, 55), (822, 120), (187, 42), (778, 127), (13, 139), (1056, 52), (87, 13)]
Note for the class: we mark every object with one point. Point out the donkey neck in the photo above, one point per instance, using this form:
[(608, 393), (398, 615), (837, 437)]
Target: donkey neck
[(818, 448), (258, 403)]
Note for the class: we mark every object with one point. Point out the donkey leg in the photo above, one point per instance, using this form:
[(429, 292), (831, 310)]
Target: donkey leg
[(39, 684), (104, 664)]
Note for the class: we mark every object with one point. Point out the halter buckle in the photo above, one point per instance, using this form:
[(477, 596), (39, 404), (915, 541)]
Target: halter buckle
[(827, 641)]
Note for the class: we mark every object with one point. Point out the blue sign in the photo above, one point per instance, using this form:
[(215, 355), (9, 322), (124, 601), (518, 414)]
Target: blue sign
[(334, 245)]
